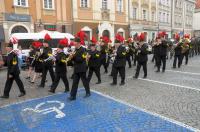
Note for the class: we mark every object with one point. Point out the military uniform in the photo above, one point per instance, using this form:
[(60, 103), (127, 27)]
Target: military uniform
[(104, 57), (128, 54), (94, 65), (162, 54), (80, 68), (178, 50), (119, 64), (142, 59), (13, 74), (185, 53), (47, 65), (61, 71)]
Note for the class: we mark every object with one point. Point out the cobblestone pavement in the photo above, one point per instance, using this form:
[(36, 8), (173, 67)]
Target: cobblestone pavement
[(174, 94)]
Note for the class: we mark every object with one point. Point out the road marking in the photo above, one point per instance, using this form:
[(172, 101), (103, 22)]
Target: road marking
[(165, 83), (149, 112), (198, 74)]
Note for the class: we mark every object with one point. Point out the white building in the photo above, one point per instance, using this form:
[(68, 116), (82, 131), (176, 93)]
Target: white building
[(196, 25), (164, 16)]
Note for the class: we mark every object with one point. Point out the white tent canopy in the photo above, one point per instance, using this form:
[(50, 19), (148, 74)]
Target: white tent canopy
[(40, 35)]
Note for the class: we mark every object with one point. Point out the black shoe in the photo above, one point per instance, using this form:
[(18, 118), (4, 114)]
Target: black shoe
[(40, 86), (163, 71), (135, 77), (21, 94), (113, 84), (27, 78), (87, 95), (122, 83), (66, 91), (157, 71), (99, 82), (51, 91), (71, 98), (4, 97), (173, 67), (145, 77)]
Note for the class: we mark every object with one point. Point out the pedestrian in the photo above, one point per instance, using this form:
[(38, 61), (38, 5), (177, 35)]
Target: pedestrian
[(13, 72), (178, 52), (61, 67), (119, 60), (142, 56), (80, 66)]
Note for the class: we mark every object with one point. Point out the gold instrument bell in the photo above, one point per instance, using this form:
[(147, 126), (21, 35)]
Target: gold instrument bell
[(14, 62)]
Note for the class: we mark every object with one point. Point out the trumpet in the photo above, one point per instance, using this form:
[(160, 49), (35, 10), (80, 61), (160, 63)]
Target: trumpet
[(71, 56)]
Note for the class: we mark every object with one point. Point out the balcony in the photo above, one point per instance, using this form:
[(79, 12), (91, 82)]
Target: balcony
[(105, 14)]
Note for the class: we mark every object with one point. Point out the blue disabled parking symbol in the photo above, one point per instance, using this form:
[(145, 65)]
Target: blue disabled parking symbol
[(97, 113)]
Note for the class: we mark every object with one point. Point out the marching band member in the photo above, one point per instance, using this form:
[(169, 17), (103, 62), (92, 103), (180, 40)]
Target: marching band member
[(186, 48), (178, 50), (80, 66), (120, 60), (142, 56), (162, 51), (61, 67), (128, 52), (104, 52), (94, 61), (47, 61), (13, 73)]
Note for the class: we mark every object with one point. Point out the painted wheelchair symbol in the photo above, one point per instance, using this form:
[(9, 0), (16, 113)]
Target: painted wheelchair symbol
[(57, 110)]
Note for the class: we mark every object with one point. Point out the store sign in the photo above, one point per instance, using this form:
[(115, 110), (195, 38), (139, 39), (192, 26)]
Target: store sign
[(17, 17), (50, 27)]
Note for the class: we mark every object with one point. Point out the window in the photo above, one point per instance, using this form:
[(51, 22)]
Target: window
[(144, 14), (160, 15), (49, 4), (23, 3), (153, 16), (167, 18), (104, 4), (119, 5), (134, 13), (164, 17), (84, 3)]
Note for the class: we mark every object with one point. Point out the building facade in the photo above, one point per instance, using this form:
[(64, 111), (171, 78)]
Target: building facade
[(196, 25), (34, 16), (164, 16), (182, 16), (143, 17), (101, 17)]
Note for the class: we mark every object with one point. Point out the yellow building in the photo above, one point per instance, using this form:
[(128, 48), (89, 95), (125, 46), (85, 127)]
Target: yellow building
[(34, 16)]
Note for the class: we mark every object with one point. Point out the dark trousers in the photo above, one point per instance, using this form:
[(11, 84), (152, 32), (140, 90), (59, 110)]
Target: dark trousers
[(175, 61), (76, 78), (186, 58), (97, 72), (161, 59), (44, 74), (9, 83), (105, 64), (128, 59), (121, 71), (144, 65), (59, 76), (135, 59)]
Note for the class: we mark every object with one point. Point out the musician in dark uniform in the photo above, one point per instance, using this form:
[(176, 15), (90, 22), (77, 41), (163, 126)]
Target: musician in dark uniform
[(80, 67), (162, 51), (128, 53), (104, 53), (142, 57), (185, 50), (61, 67), (13, 73), (94, 62), (119, 61), (47, 63), (178, 55)]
